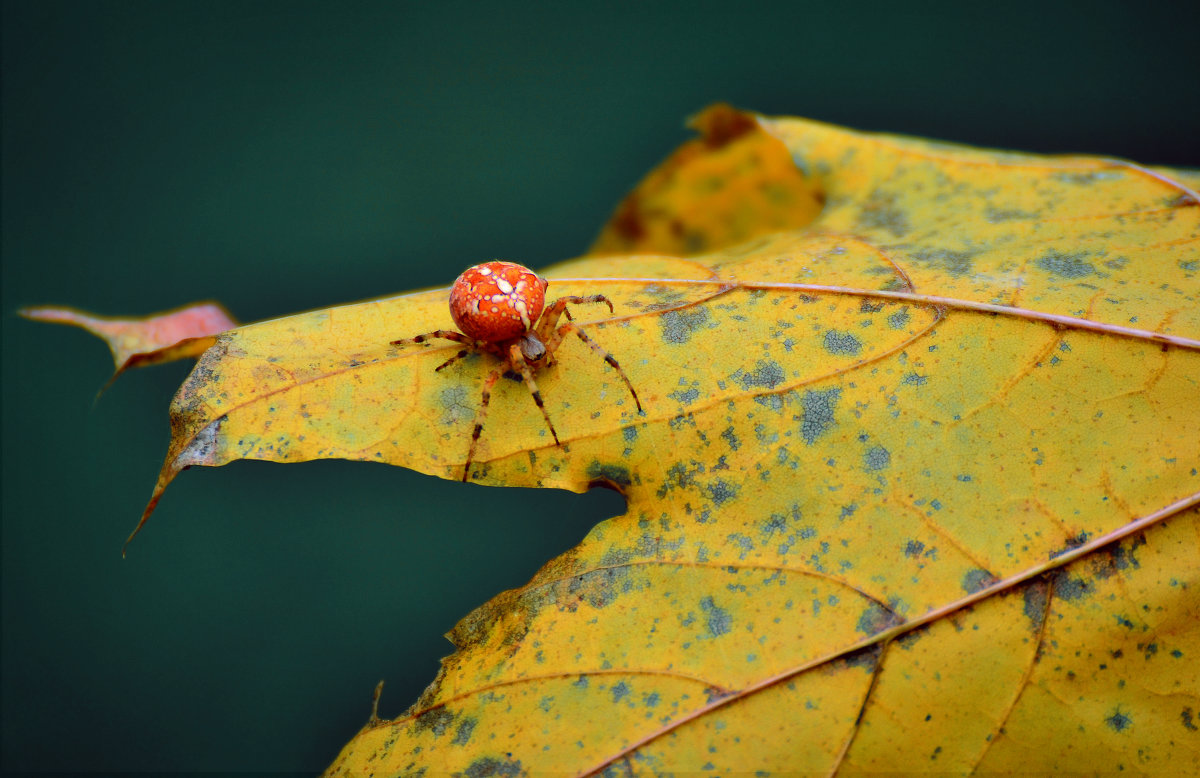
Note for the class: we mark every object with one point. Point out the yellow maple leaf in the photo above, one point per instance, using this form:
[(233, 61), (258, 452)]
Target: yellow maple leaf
[(925, 499), (915, 486)]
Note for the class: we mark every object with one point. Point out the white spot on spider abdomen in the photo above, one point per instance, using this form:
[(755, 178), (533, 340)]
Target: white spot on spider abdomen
[(523, 309), (503, 285)]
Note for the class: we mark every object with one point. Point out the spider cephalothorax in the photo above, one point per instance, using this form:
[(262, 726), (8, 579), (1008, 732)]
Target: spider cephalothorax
[(501, 309)]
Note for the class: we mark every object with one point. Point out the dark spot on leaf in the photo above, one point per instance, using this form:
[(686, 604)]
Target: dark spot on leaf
[(1065, 265), (666, 297), (772, 401), (879, 211), (1071, 543), (1035, 604), (1118, 721), (609, 473), (678, 326), (679, 476), (876, 618), (466, 728), (712, 695), (685, 398), (977, 580), (718, 618), (619, 691), (818, 413), (454, 402), (681, 421), (597, 588), (488, 766), (721, 492), (745, 544), (616, 556), (996, 215), (1118, 558), (721, 123), (842, 343), (913, 549), (766, 375), (622, 768), (1071, 588), (865, 658), (877, 458), (1185, 716), (953, 263), (731, 438), (899, 320), (437, 720), (627, 220), (910, 639), (777, 523)]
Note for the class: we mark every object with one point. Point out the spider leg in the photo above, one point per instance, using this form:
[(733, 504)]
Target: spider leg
[(470, 343), (452, 360), (480, 415), (457, 337), (556, 340), (558, 308), (517, 360)]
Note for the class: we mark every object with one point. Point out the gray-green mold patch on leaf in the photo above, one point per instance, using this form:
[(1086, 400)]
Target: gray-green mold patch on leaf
[(842, 343), (819, 407), (1068, 266), (678, 326)]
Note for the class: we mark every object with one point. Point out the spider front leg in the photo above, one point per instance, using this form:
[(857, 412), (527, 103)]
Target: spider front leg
[(517, 360), (471, 343), (549, 320), (480, 415), (556, 340)]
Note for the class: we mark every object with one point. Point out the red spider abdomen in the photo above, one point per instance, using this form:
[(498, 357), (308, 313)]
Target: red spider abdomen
[(497, 301)]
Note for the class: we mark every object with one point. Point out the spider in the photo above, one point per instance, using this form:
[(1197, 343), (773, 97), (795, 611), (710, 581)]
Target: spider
[(501, 309)]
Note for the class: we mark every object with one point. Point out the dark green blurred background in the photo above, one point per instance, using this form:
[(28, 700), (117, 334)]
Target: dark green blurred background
[(285, 156)]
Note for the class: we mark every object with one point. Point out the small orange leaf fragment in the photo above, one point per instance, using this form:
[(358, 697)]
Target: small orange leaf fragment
[(162, 337)]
